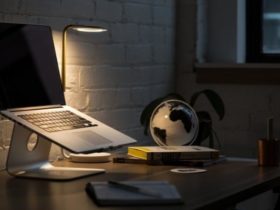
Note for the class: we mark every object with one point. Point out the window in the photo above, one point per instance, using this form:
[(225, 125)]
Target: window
[(249, 31), (263, 31)]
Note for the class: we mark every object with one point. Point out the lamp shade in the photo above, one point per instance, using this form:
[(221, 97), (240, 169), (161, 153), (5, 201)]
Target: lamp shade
[(79, 28)]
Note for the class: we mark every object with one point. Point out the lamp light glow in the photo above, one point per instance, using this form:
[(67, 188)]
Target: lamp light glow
[(80, 28), (90, 30)]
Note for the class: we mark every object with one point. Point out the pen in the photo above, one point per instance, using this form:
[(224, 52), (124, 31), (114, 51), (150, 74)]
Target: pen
[(270, 128), (132, 188)]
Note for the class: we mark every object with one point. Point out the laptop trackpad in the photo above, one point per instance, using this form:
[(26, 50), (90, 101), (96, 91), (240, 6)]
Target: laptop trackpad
[(92, 137)]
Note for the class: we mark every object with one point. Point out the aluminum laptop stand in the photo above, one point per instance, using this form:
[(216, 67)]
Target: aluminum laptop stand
[(34, 162)]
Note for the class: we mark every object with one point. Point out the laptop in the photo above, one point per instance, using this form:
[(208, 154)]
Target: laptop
[(31, 93)]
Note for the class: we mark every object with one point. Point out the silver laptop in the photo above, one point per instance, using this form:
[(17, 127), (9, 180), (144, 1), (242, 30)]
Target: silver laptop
[(31, 93)]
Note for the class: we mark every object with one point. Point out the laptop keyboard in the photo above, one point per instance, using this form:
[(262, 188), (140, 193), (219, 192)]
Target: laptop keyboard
[(57, 120)]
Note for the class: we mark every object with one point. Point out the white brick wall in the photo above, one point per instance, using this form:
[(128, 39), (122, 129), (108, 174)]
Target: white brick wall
[(110, 76), (138, 13), (125, 33), (109, 10)]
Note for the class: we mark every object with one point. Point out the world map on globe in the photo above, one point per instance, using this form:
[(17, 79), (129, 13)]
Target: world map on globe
[(174, 122)]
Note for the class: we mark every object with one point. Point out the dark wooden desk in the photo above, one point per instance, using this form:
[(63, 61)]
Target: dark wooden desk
[(223, 184)]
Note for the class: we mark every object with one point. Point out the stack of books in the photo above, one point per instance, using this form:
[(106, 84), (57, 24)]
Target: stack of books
[(170, 155)]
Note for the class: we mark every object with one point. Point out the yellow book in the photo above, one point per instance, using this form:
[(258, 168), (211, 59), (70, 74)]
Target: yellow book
[(173, 153)]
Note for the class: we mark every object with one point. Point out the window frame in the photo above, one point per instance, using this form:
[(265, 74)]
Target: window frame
[(254, 35), (258, 69)]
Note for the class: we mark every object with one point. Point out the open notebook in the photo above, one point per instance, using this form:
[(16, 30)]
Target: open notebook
[(151, 193)]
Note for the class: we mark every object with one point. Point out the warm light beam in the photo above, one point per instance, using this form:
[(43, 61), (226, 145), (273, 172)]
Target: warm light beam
[(80, 28)]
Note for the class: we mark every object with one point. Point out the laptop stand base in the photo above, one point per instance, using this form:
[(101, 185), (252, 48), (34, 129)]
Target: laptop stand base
[(30, 159)]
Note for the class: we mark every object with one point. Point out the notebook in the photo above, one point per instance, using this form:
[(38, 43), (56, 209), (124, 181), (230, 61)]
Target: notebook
[(158, 193), (31, 93)]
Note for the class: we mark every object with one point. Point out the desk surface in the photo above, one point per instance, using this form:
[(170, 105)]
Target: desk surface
[(223, 184)]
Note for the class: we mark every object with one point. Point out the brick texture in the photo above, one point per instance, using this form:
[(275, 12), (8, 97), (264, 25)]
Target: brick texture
[(113, 75)]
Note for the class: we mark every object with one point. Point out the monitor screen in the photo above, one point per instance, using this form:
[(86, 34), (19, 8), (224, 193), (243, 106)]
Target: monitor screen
[(29, 73)]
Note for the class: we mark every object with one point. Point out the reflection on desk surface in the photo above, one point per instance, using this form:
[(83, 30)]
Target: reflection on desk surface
[(223, 184)]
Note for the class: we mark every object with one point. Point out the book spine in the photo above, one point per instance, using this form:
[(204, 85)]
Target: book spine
[(138, 153), (166, 156)]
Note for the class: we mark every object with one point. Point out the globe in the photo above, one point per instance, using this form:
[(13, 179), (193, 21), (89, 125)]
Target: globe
[(174, 123)]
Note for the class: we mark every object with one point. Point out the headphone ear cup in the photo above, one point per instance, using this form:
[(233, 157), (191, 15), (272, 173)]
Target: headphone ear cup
[(205, 127)]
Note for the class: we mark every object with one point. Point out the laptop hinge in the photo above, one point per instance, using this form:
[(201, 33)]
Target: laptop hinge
[(35, 108)]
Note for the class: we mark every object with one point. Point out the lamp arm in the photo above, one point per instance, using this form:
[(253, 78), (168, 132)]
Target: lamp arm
[(63, 60)]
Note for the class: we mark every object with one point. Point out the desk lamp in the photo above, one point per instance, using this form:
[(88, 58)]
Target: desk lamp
[(80, 28), (99, 157)]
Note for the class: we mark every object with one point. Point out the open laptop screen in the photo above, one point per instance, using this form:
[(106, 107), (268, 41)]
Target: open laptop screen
[(29, 74)]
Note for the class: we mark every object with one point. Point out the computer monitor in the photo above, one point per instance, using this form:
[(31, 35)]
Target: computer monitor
[(27, 55)]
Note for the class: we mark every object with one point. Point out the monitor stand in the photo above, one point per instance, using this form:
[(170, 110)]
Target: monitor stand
[(30, 158)]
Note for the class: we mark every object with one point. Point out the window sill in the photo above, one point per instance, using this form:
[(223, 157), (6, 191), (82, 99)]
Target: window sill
[(249, 73)]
